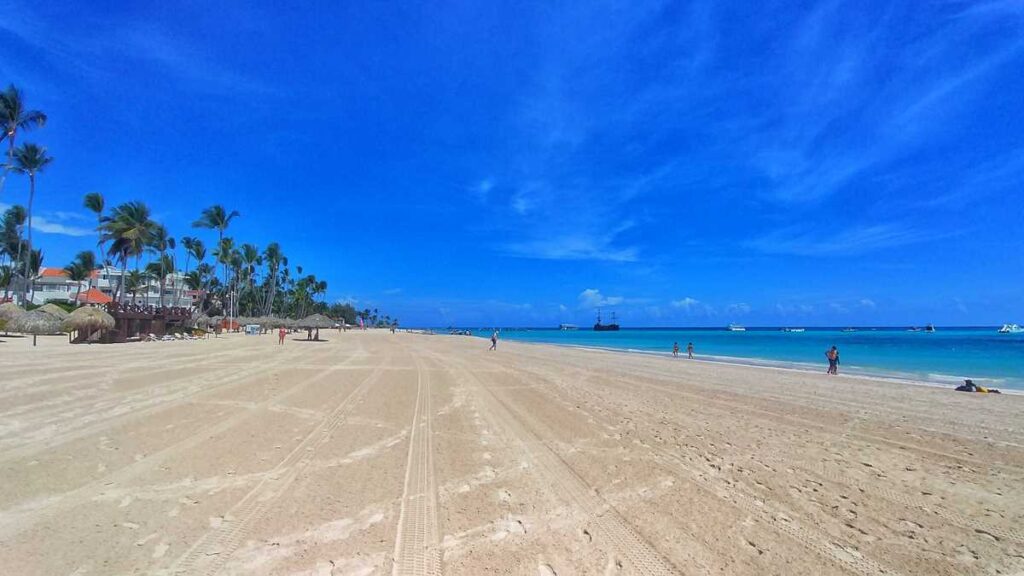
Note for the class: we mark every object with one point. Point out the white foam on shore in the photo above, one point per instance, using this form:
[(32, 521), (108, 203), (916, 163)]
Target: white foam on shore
[(855, 371)]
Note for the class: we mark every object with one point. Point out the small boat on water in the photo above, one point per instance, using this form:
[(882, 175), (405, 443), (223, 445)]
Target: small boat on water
[(914, 329), (736, 328), (567, 327), (849, 330), (612, 327), (1011, 329), (792, 329), (929, 328)]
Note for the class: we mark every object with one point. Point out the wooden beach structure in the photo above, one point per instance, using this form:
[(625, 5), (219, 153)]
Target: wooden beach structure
[(132, 321)]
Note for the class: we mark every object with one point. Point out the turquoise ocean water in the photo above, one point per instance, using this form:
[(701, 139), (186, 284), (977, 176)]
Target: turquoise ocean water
[(946, 356)]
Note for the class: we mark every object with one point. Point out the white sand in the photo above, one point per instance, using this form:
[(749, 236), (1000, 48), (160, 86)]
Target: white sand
[(376, 454)]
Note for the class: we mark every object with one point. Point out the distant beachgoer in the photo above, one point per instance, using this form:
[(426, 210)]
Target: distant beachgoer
[(280, 335), (494, 341), (675, 349), (833, 360), (689, 350), (970, 386)]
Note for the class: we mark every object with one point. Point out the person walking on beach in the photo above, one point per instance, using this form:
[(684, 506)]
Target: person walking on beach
[(689, 350), (280, 335), (675, 349), (494, 341), (833, 360)]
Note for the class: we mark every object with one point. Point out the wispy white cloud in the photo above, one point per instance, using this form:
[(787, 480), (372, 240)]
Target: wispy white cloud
[(56, 223), (581, 246), (393, 291), (44, 225), (98, 47), (592, 298), (693, 307), (867, 303), (799, 241)]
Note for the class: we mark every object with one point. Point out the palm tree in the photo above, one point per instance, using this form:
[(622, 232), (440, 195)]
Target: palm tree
[(77, 274), (33, 263), (14, 117), (94, 202), (273, 258), (217, 218), (159, 270), (13, 225), (30, 159), (80, 270), (128, 228), (136, 280), (159, 242)]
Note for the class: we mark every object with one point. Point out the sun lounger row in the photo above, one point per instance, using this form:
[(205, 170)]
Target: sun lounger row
[(170, 337)]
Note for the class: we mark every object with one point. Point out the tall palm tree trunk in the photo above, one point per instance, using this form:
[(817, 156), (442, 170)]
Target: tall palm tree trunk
[(124, 272), (28, 261)]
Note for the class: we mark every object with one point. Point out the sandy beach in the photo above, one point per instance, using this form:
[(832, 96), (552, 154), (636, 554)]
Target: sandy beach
[(374, 453)]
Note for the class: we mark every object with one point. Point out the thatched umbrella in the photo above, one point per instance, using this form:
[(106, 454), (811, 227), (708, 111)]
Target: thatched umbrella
[(202, 321), (8, 312), (88, 319), (316, 321), (35, 323), (55, 311)]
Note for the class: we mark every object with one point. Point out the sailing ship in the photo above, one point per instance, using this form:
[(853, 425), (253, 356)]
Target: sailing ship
[(612, 327)]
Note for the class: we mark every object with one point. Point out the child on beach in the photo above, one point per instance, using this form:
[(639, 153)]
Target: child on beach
[(280, 335), (833, 360), (494, 341), (689, 350), (675, 349)]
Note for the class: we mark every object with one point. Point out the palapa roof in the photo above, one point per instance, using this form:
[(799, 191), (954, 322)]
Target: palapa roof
[(316, 321), (88, 318), (35, 322), (55, 311), (10, 311)]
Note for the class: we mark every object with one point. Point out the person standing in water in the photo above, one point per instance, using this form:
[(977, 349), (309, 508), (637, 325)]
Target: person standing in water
[(689, 350), (494, 341), (833, 360), (675, 349)]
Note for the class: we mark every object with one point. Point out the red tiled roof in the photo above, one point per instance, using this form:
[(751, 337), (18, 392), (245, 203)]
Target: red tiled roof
[(94, 296), (51, 272)]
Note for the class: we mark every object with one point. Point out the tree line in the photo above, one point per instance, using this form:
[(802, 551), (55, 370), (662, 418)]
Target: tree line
[(231, 279)]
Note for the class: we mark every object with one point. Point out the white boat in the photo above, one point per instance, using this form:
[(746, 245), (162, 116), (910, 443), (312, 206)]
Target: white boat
[(736, 328), (1011, 329), (849, 330), (792, 329), (568, 327)]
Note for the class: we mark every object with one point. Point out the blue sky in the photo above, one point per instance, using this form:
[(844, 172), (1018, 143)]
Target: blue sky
[(700, 163)]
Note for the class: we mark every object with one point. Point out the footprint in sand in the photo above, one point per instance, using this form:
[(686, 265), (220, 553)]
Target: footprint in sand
[(546, 570), (160, 550)]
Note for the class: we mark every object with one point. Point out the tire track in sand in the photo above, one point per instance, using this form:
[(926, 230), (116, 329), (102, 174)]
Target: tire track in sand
[(14, 522), (838, 553), (416, 543), (606, 523), (208, 555)]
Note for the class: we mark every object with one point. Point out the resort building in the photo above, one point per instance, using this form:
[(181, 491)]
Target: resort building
[(54, 284)]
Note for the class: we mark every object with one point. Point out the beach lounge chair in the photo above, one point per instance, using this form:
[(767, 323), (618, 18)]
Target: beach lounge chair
[(152, 338), (167, 338)]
